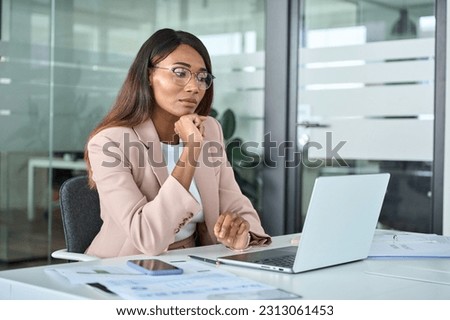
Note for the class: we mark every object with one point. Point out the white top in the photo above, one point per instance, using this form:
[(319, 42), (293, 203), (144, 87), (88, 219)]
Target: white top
[(172, 154)]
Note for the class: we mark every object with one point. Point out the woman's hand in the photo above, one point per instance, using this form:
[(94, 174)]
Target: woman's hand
[(232, 230), (190, 128)]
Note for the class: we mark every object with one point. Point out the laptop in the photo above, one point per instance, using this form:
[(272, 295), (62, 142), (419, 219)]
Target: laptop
[(339, 227)]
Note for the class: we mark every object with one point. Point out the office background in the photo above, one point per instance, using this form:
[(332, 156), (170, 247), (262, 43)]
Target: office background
[(364, 78)]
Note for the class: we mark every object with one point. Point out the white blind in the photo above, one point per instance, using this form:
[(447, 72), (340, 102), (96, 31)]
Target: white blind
[(378, 97)]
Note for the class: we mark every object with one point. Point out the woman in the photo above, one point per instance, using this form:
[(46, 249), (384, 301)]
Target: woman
[(158, 161)]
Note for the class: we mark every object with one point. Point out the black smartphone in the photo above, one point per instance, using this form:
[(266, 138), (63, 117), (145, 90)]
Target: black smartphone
[(154, 267)]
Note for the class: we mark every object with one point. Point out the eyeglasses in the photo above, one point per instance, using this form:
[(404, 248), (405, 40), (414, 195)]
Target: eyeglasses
[(182, 76)]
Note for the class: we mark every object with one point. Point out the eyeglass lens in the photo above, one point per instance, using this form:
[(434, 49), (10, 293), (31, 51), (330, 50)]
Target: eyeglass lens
[(182, 76)]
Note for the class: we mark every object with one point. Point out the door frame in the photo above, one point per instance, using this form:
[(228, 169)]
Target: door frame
[(281, 188)]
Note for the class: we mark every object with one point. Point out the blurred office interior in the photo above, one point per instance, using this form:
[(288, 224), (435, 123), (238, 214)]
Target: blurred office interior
[(334, 86)]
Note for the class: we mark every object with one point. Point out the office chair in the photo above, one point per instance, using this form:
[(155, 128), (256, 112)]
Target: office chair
[(80, 212)]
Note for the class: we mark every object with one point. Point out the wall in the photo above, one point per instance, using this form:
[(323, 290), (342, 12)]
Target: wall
[(446, 213)]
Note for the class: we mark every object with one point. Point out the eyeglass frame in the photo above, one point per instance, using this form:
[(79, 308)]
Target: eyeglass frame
[(172, 68)]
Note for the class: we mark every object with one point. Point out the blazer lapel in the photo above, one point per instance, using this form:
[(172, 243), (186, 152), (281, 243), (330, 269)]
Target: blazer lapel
[(204, 177), (147, 134)]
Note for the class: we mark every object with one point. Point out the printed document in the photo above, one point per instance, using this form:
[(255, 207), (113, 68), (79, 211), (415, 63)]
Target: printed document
[(199, 281), (410, 245)]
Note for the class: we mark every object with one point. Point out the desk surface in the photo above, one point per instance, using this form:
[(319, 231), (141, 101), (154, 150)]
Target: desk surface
[(349, 281), (58, 163), (55, 163)]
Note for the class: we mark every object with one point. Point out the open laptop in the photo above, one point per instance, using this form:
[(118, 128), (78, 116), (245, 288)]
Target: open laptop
[(340, 223)]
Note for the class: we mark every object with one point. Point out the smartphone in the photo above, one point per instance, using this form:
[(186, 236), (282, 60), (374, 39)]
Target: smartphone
[(154, 267)]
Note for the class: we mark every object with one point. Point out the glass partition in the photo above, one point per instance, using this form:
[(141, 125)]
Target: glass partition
[(366, 100), (25, 127)]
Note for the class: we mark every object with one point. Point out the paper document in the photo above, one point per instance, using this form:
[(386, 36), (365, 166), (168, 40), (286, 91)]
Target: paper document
[(197, 282), (211, 285), (404, 245), (79, 274)]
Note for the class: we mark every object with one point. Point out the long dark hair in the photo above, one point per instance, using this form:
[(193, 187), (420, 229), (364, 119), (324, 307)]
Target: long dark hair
[(135, 101)]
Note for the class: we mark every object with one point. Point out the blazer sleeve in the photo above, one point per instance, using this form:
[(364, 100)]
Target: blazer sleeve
[(150, 224), (232, 199)]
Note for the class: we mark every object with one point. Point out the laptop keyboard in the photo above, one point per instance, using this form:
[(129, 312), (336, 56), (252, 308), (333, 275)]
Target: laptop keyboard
[(282, 261)]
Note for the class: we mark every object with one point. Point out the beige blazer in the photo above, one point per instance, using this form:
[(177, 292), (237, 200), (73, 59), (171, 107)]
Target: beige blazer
[(143, 206)]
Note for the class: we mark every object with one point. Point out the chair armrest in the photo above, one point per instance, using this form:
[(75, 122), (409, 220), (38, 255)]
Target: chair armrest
[(64, 254)]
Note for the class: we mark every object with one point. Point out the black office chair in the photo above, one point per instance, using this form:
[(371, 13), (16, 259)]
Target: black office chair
[(80, 212)]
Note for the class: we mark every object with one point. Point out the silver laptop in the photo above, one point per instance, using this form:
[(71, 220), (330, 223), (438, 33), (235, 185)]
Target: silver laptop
[(339, 227)]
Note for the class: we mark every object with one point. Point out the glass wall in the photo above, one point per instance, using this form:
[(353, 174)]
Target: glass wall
[(25, 126), (366, 100), (62, 63)]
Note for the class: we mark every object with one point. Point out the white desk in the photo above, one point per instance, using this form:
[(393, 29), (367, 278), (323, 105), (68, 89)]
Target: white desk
[(55, 163), (349, 281)]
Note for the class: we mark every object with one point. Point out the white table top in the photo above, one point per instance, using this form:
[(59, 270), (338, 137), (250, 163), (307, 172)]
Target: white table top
[(58, 163), (348, 281)]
